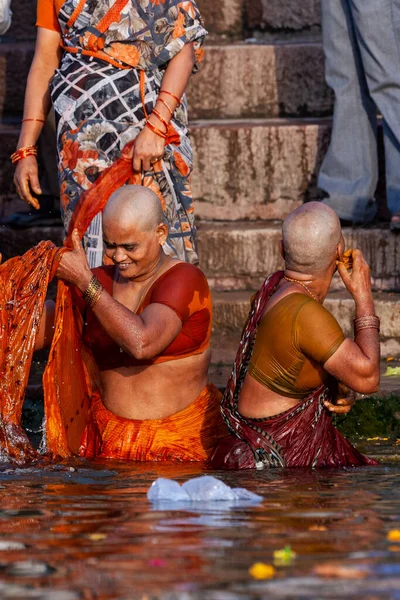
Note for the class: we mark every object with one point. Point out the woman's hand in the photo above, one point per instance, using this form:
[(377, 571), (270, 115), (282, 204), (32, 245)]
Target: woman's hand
[(26, 180), (344, 402), (73, 266), (148, 146), (358, 282)]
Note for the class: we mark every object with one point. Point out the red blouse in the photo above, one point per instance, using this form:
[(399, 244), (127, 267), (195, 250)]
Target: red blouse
[(184, 288)]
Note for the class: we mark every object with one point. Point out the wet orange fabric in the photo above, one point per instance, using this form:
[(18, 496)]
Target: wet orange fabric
[(23, 287), (190, 435), (70, 377)]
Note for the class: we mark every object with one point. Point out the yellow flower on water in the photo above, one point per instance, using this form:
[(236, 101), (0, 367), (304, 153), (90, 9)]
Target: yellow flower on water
[(393, 535), (262, 571), (97, 537), (284, 556)]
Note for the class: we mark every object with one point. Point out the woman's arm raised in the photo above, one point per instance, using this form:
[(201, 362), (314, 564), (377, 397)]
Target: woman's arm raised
[(37, 105), (356, 363)]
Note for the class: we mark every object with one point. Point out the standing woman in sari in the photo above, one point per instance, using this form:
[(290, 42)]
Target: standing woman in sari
[(115, 72)]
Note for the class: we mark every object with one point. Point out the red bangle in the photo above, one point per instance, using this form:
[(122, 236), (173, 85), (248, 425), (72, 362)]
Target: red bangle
[(171, 94), (23, 153), (171, 112), (156, 130), (161, 119), (39, 120)]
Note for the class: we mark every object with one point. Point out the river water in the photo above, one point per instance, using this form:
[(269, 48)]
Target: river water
[(82, 530)]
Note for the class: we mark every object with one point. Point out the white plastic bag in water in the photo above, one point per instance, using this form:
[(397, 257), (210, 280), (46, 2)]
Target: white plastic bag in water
[(200, 489)]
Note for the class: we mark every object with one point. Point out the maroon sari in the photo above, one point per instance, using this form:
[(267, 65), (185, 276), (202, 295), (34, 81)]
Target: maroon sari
[(302, 436)]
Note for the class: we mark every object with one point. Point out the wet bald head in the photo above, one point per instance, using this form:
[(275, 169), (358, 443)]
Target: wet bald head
[(311, 235), (133, 206)]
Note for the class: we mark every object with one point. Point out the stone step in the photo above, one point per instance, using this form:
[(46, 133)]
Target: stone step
[(235, 81), (260, 81), (223, 18), (253, 169), (240, 255), (275, 15)]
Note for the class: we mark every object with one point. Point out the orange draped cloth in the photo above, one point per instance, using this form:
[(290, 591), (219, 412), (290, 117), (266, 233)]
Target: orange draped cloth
[(69, 381), (189, 435)]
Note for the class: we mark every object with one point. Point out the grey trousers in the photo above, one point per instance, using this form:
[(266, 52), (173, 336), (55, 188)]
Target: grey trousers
[(362, 61)]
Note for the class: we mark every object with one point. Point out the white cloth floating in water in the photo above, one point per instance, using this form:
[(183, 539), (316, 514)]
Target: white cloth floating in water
[(200, 489)]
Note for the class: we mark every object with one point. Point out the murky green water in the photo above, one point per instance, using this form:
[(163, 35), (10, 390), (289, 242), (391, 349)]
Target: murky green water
[(83, 530)]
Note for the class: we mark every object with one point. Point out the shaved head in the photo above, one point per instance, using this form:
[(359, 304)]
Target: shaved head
[(311, 235), (134, 206)]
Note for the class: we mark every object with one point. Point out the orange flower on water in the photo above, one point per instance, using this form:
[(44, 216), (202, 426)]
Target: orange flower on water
[(180, 164), (393, 535), (126, 53), (262, 571)]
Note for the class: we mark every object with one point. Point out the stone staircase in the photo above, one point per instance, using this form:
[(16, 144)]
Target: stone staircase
[(261, 118)]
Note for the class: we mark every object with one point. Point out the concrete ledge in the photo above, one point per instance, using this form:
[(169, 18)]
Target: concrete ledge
[(256, 169), (278, 15), (240, 255), (223, 18), (260, 81)]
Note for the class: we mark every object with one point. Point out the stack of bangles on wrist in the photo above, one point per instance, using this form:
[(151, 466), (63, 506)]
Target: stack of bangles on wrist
[(23, 153), (367, 322), (93, 292), (159, 116)]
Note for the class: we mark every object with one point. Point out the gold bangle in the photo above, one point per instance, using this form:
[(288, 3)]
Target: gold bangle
[(93, 292)]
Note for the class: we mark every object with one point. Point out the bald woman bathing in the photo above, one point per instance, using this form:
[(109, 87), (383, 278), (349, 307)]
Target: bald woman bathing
[(147, 321), (293, 353)]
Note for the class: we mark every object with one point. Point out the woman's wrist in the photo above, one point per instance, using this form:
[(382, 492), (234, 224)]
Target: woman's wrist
[(364, 305), (84, 280)]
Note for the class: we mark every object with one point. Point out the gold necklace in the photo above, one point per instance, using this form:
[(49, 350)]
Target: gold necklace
[(303, 285)]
